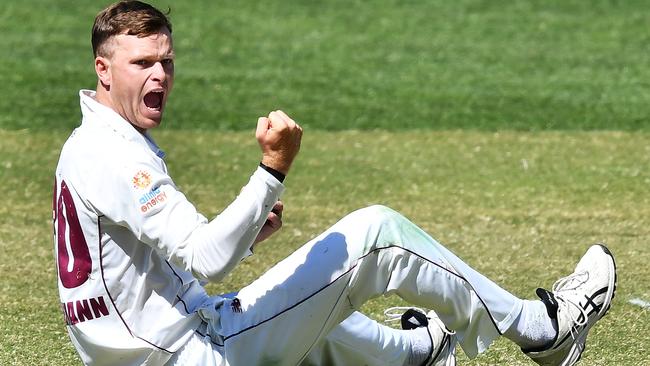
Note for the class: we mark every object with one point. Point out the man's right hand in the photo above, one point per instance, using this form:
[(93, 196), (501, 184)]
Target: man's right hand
[(279, 138)]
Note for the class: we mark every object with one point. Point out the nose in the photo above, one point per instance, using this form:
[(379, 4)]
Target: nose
[(158, 72)]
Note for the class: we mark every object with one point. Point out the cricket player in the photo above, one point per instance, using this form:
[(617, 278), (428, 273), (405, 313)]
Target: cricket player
[(133, 253)]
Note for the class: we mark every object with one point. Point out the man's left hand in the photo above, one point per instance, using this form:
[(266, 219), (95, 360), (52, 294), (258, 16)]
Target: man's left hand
[(273, 223)]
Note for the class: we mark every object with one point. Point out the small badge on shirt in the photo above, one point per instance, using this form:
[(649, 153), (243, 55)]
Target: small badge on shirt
[(141, 179)]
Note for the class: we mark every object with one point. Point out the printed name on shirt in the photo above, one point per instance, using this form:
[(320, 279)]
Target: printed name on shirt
[(151, 199), (78, 311)]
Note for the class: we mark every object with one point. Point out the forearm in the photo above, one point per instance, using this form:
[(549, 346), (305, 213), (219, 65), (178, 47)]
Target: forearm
[(215, 248)]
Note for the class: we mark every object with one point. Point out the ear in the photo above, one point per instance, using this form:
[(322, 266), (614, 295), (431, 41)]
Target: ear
[(103, 70)]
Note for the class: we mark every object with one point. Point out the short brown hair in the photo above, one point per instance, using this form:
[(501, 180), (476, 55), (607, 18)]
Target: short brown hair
[(126, 17)]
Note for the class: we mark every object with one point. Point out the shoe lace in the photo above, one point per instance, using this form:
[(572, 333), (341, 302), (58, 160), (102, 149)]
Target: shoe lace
[(394, 314), (569, 283)]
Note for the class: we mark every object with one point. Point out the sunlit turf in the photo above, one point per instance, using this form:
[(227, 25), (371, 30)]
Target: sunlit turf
[(520, 207), (488, 65)]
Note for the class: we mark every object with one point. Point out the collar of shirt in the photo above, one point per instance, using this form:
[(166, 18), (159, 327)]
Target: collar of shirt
[(95, 112)]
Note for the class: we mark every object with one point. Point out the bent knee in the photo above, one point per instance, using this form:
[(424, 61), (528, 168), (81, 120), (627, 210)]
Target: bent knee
[(374, 214)]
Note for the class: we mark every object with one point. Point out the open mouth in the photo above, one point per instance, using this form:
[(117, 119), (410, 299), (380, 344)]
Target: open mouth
[(154, 99)]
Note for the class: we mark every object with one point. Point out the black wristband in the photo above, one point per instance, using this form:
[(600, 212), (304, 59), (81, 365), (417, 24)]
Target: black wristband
[(279, 176)]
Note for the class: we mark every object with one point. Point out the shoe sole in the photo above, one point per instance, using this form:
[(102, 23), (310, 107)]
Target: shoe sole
[(579, 346), (612, 286)]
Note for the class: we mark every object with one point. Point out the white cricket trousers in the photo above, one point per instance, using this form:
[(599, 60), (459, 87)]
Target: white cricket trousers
[(302, 311)]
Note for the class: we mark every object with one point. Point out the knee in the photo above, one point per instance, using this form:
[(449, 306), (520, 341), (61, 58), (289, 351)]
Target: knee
[(378, 211), (374, 215), (374, 227)]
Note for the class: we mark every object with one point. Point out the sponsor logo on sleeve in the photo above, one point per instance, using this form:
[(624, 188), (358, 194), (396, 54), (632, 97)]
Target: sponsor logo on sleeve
[(151, 199), (141, 179)]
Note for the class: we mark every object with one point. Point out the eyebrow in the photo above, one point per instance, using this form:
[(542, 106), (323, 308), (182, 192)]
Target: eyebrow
[(169, 54)]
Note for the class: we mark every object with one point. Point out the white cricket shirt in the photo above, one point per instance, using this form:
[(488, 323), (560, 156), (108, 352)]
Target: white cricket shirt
[(130, 247)]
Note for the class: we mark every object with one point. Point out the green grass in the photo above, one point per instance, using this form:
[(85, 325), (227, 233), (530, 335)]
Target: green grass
[(487, 65), (519, 206), (515, 132)]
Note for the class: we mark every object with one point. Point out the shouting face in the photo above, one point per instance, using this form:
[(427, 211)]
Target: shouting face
[(136, 77)]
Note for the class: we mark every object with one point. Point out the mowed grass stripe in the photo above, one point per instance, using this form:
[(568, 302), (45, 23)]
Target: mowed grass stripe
[(335, 64), (520, 207)]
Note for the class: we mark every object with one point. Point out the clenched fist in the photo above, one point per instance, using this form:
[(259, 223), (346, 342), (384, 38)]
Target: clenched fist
[(279, 138)]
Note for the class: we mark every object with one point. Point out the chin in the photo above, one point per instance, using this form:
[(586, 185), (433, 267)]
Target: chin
[(146, 124)]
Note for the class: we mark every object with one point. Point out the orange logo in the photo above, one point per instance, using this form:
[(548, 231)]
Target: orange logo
[(141, 180)]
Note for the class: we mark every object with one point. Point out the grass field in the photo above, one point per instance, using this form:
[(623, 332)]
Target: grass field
[(515, 132), (526, 65), (519, 206)]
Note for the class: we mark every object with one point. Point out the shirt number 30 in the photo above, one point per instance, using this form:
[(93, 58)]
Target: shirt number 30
[(73, 255)]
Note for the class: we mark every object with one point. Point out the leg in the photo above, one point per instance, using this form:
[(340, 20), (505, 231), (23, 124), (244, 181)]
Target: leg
[(359, 340), (370, 252)]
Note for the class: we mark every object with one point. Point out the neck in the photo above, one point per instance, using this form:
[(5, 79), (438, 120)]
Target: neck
[(102, 95)]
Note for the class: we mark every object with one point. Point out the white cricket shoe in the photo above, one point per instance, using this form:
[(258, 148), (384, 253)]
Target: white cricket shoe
[(443, 351), (577, 302)]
